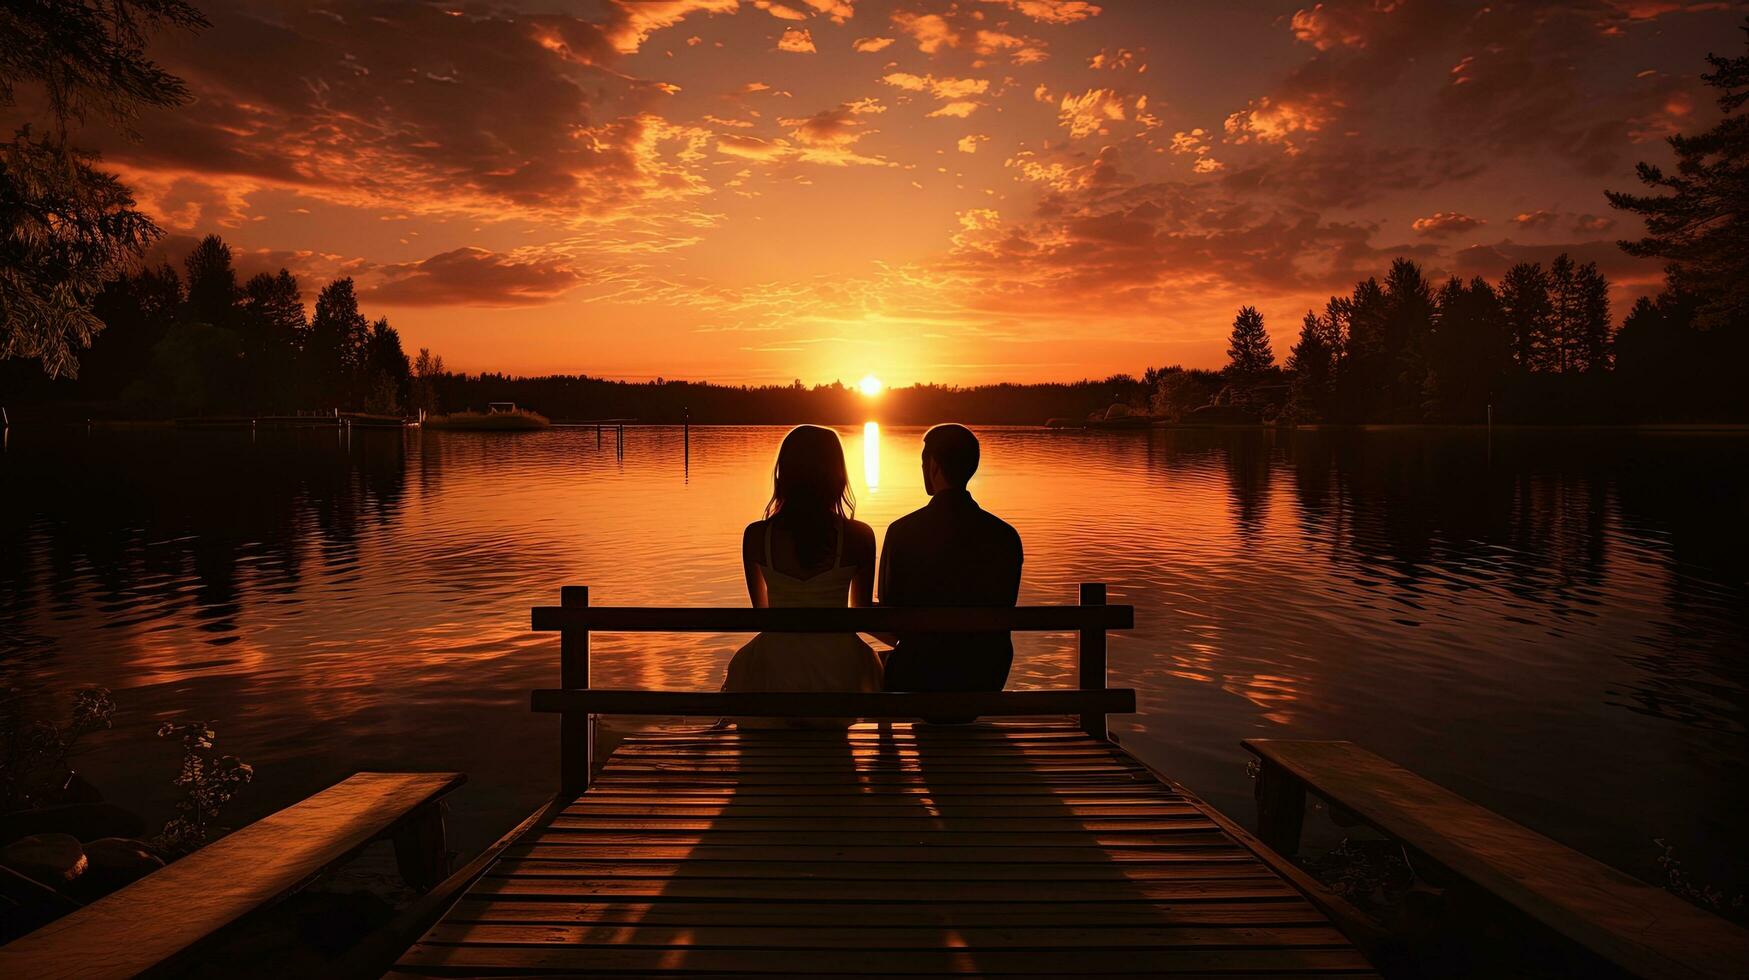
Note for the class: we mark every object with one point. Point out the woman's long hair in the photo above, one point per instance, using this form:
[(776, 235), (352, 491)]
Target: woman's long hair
[(810, 491)]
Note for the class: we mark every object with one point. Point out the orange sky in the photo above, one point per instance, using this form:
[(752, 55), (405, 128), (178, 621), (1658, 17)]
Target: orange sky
[(958, 192)]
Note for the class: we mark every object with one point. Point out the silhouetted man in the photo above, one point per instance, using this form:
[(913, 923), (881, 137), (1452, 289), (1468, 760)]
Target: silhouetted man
[(950, 553)]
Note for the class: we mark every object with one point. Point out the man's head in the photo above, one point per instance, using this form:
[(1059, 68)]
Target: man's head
[(950, 457)]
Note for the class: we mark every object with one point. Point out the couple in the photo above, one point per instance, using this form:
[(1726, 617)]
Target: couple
[(809, 551)]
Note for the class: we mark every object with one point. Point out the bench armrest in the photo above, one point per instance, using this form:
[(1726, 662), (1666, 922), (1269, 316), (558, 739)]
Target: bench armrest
[(1643, 929), (167, 913)]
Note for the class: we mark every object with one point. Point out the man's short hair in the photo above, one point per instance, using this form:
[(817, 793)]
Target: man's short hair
[(954, 449)]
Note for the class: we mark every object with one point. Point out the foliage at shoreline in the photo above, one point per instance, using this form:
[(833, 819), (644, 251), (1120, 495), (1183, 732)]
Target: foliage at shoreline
[(33, 755), (517, 421), (209, 781)]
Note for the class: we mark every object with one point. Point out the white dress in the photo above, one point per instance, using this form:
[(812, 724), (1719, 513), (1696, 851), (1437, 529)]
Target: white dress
[(805, 661)]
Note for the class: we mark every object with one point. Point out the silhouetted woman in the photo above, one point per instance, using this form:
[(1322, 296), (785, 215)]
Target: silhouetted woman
[(809, 552)]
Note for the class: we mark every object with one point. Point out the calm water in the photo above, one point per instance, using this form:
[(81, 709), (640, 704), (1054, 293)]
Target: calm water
[(1554, 624)]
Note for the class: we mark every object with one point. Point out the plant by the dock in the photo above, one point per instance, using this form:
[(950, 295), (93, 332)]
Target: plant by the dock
[(208, 782), (33, 755), (1678, 883)]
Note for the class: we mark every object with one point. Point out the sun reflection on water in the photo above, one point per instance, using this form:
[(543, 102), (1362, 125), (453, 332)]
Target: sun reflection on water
[(871, 455)]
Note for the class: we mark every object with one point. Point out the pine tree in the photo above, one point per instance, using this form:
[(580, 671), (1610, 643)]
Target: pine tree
[(1557, 347), (1524, 299), (384, 369), (69, 226), (137, 310), (275, 333), (335, 352), (1248, 352), (1591, 338), (1408, 322), (1313, 364), (1701, 227), (1469, 352), (1360, 371), (212, 283), (427, 368)]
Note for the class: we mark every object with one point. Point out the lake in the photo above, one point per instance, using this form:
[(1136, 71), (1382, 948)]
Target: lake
[(1552, 623)]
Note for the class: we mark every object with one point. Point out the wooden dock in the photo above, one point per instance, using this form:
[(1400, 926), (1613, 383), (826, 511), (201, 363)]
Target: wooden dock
[(1016, 846), (1002, 848)]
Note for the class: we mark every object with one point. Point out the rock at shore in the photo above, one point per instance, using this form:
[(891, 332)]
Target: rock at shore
[(52, 859)]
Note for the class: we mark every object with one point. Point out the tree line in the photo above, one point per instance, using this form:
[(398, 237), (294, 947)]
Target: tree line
[(201, 342), (1408, 350)]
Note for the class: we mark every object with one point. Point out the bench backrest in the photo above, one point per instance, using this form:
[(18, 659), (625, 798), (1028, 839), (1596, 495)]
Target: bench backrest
[(574, 618)]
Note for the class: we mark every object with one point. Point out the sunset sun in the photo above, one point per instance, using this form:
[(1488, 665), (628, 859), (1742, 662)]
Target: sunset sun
[(870, 386)]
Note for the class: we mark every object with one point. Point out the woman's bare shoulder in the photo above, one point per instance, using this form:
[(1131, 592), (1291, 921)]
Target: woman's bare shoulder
[(859, 532), (753, 538)]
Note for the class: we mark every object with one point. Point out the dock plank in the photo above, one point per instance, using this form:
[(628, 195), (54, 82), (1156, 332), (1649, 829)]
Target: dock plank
[(896, 937), (1003, 849), (1283, 912), (575, 959)]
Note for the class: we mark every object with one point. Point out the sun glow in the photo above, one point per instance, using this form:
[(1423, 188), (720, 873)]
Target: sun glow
[(870, 386)]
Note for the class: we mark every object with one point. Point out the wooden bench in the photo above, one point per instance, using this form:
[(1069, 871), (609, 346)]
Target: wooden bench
[(574, 618), (1644, 930), (156, 921)]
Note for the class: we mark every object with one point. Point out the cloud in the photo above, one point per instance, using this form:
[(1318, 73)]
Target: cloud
[(954, 110), (1444, 224), (1327, 26), (1122, 59), (1281, 121), (1535, 219), (954, 92), (1092, 111), (631, 22), (472, 276), (826, 153), (931, 31), (837, 126), (1149, 245), (1052, 11), (941, 88), (869, 45), (839, 10), (796, 40), (410, 108), (780, 11), (1195, 143), (969, 143)]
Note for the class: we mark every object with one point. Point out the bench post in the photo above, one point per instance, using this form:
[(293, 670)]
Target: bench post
[(421, 850), (1091, 672), (1281, 808), (576, 731)]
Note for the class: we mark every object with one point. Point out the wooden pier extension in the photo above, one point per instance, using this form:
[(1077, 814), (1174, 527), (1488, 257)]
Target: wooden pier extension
[(1016, 846)]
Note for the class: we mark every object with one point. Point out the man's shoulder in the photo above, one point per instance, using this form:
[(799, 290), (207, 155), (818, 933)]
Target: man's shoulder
[(1000, 529), (905, 525)]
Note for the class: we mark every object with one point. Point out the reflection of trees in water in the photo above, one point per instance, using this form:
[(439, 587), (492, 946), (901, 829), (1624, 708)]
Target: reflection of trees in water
[(131, 520), (1687, 495), (1540, 515), (1250, 453)]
